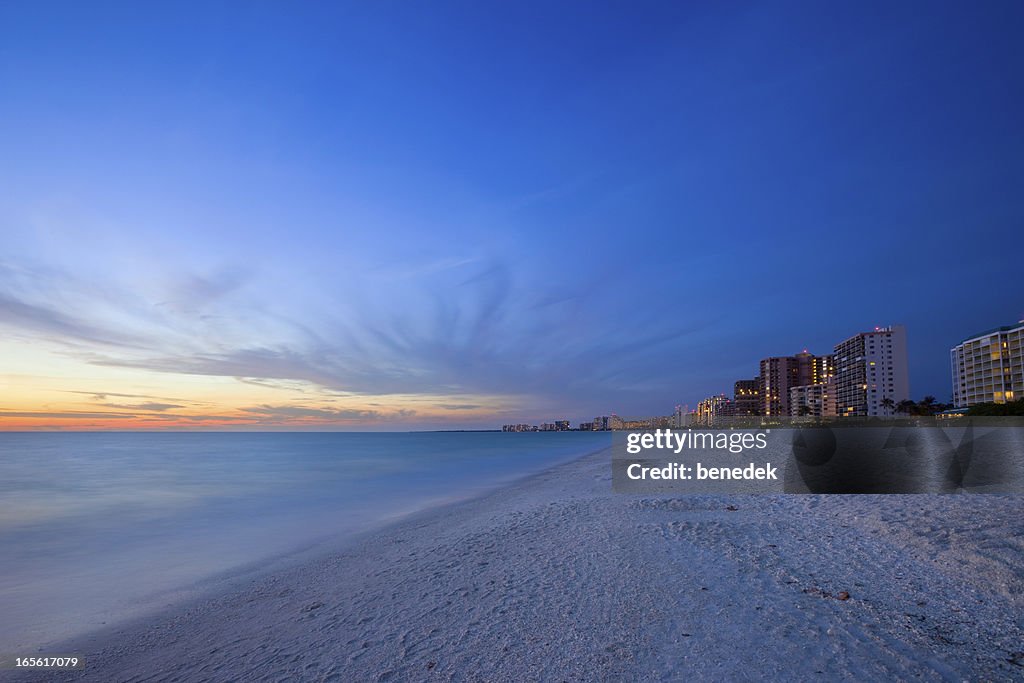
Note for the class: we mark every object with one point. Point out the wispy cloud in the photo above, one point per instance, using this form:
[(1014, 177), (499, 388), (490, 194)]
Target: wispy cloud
[(62, 327), (466, 328), (66, 414), (144, 407), (286, 413), (192, 294), (104, 395)]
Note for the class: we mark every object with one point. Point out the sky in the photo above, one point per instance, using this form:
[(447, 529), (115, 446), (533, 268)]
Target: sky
[(395, 215)]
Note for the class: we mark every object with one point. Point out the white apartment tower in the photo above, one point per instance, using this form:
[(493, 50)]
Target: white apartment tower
[(681, 417), (813, 400), (989, 367), (871, 375)]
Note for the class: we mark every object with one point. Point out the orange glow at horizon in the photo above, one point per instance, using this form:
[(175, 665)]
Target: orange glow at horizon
[(69, 394)]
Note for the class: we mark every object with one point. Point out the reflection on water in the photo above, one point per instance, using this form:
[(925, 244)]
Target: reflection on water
[(95, 527)]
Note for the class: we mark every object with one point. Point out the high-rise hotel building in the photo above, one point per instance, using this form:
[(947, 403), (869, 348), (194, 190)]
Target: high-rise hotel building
[(989, 367), (871, 367), (781, 373), (714, 408), (746, 397)]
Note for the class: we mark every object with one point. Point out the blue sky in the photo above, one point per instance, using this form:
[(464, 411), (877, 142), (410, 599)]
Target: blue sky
[(516, 210)]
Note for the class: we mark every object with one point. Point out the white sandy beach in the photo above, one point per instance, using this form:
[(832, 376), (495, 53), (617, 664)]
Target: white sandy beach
[(556, 578)]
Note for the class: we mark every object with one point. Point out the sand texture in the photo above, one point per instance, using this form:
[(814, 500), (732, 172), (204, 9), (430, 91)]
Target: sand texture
[(556, 578)]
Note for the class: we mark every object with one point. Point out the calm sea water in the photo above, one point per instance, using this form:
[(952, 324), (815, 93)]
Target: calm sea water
[(97, 528)]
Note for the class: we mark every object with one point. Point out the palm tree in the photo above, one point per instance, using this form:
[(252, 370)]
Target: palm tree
[(928, 405), (888, 404), (907, 407)]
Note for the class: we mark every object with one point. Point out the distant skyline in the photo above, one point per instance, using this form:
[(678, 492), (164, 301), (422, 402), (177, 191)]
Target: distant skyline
[(460, 215)]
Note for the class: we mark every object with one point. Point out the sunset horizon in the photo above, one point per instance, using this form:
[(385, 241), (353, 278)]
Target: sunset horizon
[(537, 342), (366, 218)]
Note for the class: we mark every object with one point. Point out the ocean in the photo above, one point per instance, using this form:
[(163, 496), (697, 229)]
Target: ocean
[(97, 528)]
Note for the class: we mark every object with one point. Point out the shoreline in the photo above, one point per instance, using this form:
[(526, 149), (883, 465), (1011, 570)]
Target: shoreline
[(133, 548), (555, 577), (185, 597)]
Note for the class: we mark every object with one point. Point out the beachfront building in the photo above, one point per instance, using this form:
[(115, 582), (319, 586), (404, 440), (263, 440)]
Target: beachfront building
[(607, 423), (519, 428), (714, 408), (813, 400), (828, 405), (989, 367), (746, 397), (681, 417), (656, 422), (871, 375), (780, 373)]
